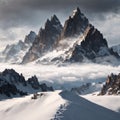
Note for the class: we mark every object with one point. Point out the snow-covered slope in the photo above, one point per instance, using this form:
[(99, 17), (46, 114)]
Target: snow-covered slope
[(63, 104), (79, 108), (110, 102), (55, 106), (43, 108)]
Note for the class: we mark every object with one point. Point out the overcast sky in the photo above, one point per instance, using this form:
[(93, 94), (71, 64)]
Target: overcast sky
[(18, 17)]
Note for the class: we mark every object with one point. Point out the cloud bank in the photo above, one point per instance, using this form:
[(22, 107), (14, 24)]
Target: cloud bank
[(65, 76)]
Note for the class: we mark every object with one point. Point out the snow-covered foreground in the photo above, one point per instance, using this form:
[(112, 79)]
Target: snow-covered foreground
[(43, 108), (61, 104), (54, 106), (108, 101)]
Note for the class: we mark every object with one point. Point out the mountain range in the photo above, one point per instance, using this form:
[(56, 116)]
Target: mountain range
[(79, 91), (13, 84), (76, 41)]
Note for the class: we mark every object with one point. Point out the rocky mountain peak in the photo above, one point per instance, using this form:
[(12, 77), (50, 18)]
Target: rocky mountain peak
[(30, 37), (83, 40), (52, 26), (76, 12), (53, 23), (75, 24), (92, 46), (112, 85), (94, 40), (54, 18), (48, 23), (45, 40)]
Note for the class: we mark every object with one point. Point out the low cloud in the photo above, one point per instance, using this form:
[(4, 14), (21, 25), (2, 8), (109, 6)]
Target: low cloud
[(66, 76)]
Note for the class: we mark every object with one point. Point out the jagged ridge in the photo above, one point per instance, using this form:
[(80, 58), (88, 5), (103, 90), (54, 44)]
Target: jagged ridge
[(45, 40), (112, 85), (14, 84), (89, 45)]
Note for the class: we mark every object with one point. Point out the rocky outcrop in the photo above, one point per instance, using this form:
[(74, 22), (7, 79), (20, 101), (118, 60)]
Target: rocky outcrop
[(112, 85), (116, 49), (45, 40), (93, 46), (75, 25), (14, 84), (10, 90), (33, 81), (83, 88), (44, 87)]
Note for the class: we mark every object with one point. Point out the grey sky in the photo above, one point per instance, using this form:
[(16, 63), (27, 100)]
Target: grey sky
[(16, 15)]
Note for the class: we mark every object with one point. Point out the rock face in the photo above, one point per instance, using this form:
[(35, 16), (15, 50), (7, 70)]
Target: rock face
[(14, 84), (45, 40), (14, 53), (112, 85), (93, 46), (76, 41), (75, 25)]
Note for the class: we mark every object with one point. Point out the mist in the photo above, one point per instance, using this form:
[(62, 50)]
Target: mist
[(67, 76)]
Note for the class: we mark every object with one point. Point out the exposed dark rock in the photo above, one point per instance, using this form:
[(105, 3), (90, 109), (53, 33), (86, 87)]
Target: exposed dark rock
[(82, 88), (93, 41), (11, 76), (10, 90), (93, 46), (14, 84), (33, 81), (77, 55), (45, 40), (36, 95), (44, 87), (89, 45), (112, 85), (75, 25)]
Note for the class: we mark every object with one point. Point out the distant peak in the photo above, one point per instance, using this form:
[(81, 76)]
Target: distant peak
[(54, 17), (78, 9), (32, 32), (48, 21), (76, 12), (55, 20)]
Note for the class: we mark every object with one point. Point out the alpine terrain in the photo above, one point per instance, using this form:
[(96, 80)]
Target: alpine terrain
[(67, 71)]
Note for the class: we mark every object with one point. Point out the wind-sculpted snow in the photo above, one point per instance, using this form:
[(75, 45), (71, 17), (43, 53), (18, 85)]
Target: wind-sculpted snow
[(57, 105), (81, 109)]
